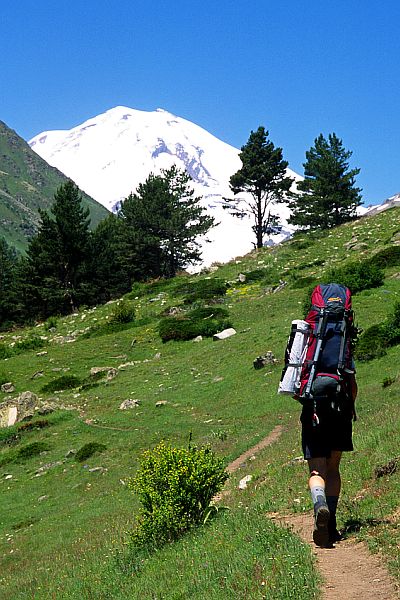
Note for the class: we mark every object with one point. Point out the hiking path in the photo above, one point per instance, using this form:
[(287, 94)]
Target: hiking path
[(349, 570)]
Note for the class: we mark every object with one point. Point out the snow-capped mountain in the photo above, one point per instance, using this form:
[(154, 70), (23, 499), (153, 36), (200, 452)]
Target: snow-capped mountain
[(109, 155)]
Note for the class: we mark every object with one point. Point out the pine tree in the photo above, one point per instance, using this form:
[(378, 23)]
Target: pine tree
[(106, 274), (161, 224), (263, 178), (54, 269), (8, 263), (328, 196)]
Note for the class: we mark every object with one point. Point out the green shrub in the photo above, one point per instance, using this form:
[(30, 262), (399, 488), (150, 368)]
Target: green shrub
[(203, 289), (388, 381), (374, 341), (110, 327), (393, 325), (356, 276), (8, 437), (388, 257), (65, 382), (256, 275), (88, 450), (175, 487), (124, 312), (3, 378), (51, 323), (5, 352), (30, 343), (29, 450), (205, 321)]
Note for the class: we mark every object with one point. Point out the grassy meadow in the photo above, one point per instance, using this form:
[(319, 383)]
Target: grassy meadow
[(64, 524)]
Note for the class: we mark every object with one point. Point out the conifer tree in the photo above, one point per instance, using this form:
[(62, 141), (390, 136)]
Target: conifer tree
[(54, 269), (328, 196), (263, 177), (106, 274), (8, 262), (161, 225)]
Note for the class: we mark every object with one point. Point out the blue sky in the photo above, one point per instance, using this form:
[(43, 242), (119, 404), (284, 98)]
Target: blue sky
[(298, 68)]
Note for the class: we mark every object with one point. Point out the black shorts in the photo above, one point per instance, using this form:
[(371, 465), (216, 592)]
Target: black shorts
[(334, 431)]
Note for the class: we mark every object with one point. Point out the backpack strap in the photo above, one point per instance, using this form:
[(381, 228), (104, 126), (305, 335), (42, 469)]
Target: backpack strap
[(343, 331), (323, 317)]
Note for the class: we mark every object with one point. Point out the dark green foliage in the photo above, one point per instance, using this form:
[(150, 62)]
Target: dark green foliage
[(202, 321), (112, 327), (54, 270), (30, 343), (89, 450), (106, 273), (8, 262), (3, 378), (256, 275), (9, 436), (372, 343), (5, 352), (26, 452), (160, 226), (51, 323), (301, 244), (203, 289), (388, 257), (329, 196), (263, 176), (175, 487), (376, 339), (388, 381), (123, 312), (65, 382), (357, 276)]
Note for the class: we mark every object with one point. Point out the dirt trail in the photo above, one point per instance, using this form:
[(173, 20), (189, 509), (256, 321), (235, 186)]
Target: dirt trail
[(349, 570), (267, 441)]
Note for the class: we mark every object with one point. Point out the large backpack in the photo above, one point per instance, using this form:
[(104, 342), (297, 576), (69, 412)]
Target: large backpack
[(323, 373)]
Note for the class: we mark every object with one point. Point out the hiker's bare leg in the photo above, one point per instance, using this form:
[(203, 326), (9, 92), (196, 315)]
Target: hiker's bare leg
[(318, 472), (316, 482)]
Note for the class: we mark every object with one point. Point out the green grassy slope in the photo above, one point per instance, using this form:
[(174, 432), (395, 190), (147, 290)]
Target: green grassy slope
[(61, 523), (27, 183)]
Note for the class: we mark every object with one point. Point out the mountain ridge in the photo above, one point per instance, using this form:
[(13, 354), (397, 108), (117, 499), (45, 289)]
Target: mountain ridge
[(28, 183)]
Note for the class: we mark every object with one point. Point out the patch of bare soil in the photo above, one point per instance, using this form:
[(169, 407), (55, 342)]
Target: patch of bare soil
[(349, 570)]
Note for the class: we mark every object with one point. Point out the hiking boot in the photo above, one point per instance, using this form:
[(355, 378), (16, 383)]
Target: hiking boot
[(334, 536), (321, 520)]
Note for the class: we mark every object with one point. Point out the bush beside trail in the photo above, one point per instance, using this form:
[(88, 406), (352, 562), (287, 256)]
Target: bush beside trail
[(175, 487)]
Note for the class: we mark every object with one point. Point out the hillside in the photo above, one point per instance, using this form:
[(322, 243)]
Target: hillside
[(64, 522), (28, 183)]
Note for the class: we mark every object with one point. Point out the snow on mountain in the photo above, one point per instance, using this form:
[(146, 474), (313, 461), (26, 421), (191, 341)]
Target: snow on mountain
[(109, 155)]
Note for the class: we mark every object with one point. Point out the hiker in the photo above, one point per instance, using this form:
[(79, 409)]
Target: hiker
[(319, 372)]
